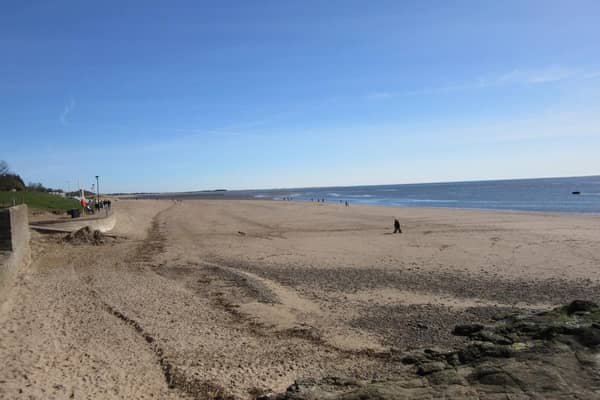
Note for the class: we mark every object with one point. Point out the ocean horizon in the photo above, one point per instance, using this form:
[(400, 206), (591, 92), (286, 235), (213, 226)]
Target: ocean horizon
[(564, 195)]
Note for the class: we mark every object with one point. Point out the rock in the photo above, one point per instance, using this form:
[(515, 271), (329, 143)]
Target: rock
[(446, 377), (492, 337), (436, 353), (587, 358), (553, 354), (453, 359), (467, 329), (430, 367), (492, 376), (581, 306), (479, 350), (588, 336), (410, 359)]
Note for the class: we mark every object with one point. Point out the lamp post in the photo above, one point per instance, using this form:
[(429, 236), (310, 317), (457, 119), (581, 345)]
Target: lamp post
[(97, 191)]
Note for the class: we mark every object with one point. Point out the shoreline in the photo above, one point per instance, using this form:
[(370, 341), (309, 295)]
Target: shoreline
[(393, 206), (501, 210), (571, 195), (534, 212)]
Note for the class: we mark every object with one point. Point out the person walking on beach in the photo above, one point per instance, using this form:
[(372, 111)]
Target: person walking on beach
[(397, 226)]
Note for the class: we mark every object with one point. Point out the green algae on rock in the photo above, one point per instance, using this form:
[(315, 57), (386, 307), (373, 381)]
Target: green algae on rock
[(548, 354)]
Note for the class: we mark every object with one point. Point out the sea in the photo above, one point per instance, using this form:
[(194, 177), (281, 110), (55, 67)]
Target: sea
[(563, 195)]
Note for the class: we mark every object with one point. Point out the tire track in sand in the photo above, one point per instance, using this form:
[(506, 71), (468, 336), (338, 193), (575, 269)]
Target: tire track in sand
[(151, 246)]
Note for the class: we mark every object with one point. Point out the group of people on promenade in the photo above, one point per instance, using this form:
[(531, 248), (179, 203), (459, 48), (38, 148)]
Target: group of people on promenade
[(96, 206)]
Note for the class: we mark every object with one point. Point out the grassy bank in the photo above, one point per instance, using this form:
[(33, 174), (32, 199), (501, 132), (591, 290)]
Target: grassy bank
[(37, 200)]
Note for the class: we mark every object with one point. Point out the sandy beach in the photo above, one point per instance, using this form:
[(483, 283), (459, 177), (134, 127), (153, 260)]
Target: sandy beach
[(209, 298)]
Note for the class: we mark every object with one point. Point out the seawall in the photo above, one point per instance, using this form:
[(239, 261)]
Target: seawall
[(103, 224), (15, 252)]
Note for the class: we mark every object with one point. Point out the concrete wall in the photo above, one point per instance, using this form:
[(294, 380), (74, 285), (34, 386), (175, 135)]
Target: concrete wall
[(5, 235), (15, 252), (103, 224)]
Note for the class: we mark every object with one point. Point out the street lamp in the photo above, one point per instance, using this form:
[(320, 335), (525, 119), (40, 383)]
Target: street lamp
[(97, 191)]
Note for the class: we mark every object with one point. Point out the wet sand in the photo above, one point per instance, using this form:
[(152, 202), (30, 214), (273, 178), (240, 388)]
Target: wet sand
[(224, 298)]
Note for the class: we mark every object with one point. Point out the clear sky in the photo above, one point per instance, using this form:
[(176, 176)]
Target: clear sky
[(177, 95)]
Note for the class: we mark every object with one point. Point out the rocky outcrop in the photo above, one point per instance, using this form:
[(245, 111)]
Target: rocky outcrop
[(541, 355)]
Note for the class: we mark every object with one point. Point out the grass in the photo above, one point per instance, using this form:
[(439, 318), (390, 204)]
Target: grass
[(38, 200)]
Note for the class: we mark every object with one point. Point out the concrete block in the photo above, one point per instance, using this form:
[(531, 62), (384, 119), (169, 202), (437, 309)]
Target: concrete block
[(15, 252)]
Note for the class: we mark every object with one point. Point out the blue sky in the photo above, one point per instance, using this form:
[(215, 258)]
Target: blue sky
[(169, 96)]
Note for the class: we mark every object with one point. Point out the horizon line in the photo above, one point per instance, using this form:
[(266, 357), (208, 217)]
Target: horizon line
[(350, 186)]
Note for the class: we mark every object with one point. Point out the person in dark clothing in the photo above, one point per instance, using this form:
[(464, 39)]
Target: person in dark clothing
[(397, 226)]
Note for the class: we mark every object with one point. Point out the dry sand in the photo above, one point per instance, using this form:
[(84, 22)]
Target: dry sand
[(209, 297)]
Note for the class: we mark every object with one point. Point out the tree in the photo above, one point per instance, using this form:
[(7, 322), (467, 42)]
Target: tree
[(8, 179), (10, 182), (36, 187), (4, 168)]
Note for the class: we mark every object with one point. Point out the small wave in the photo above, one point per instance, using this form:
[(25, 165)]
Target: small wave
[(334, 194), (359, 195)]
